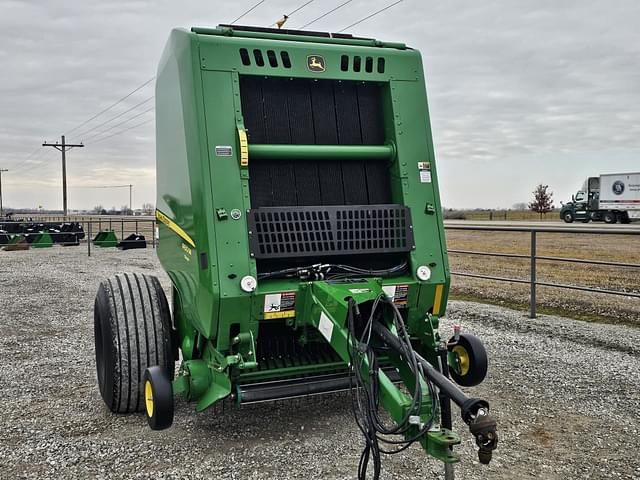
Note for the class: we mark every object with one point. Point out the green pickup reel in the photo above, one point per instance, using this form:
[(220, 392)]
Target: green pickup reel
[(300, 226)]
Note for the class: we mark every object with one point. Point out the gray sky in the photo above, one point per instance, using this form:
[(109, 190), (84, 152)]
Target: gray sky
[(520, 92)]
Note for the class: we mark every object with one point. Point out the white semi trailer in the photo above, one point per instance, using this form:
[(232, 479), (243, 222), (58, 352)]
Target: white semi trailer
[(609, 198)]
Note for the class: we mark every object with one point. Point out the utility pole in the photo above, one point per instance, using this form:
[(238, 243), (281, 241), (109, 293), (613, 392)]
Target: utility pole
[(1, 170), (130, 205), (64, 147)]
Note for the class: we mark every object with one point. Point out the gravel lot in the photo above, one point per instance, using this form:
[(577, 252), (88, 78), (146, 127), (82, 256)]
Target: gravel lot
[(566, 395)]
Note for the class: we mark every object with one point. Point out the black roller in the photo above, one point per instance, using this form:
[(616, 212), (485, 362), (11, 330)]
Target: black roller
[(298, 387)]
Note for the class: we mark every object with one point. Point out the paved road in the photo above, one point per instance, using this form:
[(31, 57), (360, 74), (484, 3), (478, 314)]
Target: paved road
[(635, 226)]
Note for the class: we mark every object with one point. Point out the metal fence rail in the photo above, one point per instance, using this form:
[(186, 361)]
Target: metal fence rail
[(83, 231), (533, 257)]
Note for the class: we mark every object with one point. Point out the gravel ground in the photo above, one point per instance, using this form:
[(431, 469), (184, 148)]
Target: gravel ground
[(565, 394)]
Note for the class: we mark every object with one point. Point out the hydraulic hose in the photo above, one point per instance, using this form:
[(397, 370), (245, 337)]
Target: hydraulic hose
[(475, 411)]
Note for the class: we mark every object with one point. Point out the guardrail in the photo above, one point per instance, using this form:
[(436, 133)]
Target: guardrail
[(533, 257)]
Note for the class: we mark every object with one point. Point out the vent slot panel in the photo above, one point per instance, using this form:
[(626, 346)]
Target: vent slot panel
[(286, 232)]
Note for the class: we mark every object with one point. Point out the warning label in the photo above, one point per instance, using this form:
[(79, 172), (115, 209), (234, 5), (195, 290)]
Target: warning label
[(424, 168), (280, 305), (398, 294)]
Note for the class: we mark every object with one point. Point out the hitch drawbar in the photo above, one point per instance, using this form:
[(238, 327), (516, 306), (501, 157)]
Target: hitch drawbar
[(474, 411)]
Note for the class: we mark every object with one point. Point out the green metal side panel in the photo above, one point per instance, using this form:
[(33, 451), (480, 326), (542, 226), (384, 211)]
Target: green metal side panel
[(183, 183), (229, 193), (222, 53)]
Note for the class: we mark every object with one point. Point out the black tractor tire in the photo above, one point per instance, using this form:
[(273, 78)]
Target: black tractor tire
[(158, 396), (610, 217), (473, 359), (568, 217), (623, 217), (132, 325)]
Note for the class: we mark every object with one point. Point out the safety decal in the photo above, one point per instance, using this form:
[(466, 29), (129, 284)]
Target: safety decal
[(398, 294), (425, 172), (280, 305), (325, 326)]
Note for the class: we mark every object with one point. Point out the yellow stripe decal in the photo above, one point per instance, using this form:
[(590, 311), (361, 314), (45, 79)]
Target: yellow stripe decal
[(244, 148), (438, 299), (175, 227)]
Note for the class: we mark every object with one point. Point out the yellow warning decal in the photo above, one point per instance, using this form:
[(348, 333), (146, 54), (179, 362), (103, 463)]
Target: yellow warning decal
[(279, 305), (175, 227), (244, 148), (283, 314), (437, 301)]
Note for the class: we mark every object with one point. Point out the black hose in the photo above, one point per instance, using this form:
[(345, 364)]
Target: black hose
[(365, 387)]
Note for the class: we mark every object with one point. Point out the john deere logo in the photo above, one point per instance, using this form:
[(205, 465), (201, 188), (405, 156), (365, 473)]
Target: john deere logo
[(315, 63), (618, 187)]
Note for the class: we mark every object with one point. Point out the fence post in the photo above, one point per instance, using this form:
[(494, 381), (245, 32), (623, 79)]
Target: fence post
[(89, 239), (153, 232), (532, 299), (122, 227)]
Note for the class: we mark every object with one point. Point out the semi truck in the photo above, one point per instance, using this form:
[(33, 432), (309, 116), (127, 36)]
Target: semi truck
[(610, 198)]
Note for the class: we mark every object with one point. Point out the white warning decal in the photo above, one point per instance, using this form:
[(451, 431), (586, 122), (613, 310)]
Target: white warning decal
[(425, 172), (325, 326), (280, 305)]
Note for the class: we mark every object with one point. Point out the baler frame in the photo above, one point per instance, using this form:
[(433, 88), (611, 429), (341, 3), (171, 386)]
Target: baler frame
[(282, 227)]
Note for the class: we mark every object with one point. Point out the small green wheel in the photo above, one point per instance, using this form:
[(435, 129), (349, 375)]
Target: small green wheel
[(158, 398), (471, 363)]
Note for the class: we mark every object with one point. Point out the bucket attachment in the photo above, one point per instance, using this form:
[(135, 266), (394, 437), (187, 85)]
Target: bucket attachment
[(105, 239), (135, 240), (17, 243), (39, 240)]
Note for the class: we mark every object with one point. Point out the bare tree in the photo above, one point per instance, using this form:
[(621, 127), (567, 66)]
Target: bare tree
[(98, 209), (542, 200), (520, 206), (148, 208)]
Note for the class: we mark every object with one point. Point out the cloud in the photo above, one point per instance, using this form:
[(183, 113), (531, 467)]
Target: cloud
[(519, 92)]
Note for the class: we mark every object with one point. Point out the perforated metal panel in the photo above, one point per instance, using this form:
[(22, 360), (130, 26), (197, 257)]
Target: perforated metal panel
[(283, 232)]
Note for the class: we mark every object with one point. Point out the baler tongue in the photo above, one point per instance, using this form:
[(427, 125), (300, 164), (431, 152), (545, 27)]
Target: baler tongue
[(363, 341)]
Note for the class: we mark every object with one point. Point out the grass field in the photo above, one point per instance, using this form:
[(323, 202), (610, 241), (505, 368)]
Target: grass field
[(585, 305), (511, 215)]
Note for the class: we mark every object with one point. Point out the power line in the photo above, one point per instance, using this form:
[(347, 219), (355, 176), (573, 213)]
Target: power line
[(248, 11), (125, 130), (325, 14), (1, 170), (102, 186), (22, 161), (112, 105), (119, 124), (300, 7), (62, 148), (35, 163), (369, 16), (294, 11), (117, 116)]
